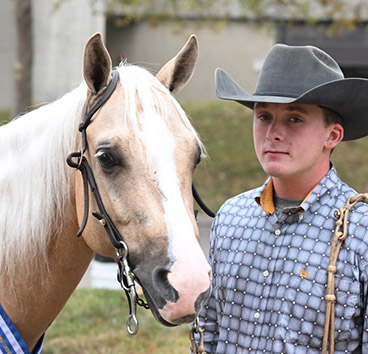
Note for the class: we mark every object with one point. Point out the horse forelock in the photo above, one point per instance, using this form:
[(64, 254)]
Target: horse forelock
[(35, 179), (147, 101), (156, 108)]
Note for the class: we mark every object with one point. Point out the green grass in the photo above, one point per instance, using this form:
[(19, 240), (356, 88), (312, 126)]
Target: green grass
[(225, 129), (4, 117), (93, 321)]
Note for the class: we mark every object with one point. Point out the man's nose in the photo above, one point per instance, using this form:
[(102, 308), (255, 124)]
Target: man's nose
[(275, 132)]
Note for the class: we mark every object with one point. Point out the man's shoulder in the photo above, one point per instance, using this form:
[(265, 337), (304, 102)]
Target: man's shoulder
[(344, 192), (357, 204)]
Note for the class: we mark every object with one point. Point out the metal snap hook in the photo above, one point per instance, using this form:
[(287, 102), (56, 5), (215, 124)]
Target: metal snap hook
[(126, 280), (132, 330), (196, 329)]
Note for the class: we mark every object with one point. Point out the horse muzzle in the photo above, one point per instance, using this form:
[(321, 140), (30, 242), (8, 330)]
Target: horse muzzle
[(175, 292)]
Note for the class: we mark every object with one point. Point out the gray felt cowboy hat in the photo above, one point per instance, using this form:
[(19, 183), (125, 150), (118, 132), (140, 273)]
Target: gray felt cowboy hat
[(304, 75)]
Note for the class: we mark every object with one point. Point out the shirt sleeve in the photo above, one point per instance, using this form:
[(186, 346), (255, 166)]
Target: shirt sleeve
[(209, 315)]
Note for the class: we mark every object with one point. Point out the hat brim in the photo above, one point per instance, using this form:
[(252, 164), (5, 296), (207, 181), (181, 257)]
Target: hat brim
[(347, 97)]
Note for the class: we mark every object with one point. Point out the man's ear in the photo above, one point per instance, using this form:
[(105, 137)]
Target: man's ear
[(335, 136)]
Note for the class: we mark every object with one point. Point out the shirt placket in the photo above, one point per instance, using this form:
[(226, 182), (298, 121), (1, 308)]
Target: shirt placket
[(262, 315), (268, 310)]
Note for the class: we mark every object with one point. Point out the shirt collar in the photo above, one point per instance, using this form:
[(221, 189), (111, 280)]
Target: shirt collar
[(265, 195), (265, 199)]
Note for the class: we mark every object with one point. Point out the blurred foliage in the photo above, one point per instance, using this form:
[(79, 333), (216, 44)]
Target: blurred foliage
[(4, 117), (340, 13)]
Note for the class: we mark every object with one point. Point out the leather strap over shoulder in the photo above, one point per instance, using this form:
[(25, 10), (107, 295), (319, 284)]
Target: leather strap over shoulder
[(342, 216)]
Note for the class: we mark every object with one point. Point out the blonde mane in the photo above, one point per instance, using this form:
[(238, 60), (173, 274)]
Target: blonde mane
[(34, 178), (35, 181)]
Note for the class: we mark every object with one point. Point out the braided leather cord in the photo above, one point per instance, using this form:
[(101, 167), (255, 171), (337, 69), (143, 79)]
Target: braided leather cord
[(342, 221)]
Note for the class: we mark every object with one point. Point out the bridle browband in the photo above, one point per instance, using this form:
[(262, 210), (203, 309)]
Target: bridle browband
[(78, 161)]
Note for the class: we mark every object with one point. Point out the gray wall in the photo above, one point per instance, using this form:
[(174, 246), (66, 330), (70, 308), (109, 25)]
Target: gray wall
[(59, 36), (239, 49), (7, 53)]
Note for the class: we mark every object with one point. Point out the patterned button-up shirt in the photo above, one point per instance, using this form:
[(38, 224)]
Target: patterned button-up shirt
[(269, 274)]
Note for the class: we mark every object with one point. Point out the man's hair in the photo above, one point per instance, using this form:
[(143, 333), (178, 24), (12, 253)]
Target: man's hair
[(330, 117)]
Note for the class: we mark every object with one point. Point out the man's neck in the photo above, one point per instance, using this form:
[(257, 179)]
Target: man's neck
[(297, 187)]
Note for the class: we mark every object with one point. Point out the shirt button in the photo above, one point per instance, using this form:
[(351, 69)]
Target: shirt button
[(300, 217), (256, 315), (266, 273), (277, 232)]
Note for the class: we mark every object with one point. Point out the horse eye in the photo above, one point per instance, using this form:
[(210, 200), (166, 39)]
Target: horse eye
[(198, 160), (106, 160)]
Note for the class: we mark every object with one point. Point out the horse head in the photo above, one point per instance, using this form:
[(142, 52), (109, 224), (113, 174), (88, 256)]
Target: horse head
[(143, 151)]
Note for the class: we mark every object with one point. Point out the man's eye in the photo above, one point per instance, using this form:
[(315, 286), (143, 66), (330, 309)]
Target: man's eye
[(263, 117), (295, 120)]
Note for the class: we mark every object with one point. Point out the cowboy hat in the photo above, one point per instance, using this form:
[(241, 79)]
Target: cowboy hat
[(304, 75)]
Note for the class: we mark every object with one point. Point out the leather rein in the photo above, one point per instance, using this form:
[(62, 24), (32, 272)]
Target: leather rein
[(78, 161)]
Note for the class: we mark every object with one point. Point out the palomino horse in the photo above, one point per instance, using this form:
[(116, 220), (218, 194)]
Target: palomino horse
[(142, 151)]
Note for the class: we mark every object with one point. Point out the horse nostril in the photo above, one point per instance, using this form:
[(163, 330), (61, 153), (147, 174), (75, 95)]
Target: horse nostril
[(163, 286)]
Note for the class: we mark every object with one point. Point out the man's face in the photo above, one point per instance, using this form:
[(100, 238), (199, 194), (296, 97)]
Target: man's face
[(292, 140)]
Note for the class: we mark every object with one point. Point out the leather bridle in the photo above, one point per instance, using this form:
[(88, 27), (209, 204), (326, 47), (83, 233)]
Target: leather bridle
[(87, 174), (79, 161)]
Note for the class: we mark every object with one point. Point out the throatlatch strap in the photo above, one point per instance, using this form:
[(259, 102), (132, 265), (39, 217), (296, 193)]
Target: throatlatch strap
[(201, 203)]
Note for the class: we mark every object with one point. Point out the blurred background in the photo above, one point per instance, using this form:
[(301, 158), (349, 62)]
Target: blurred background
[(41, 48), (41, 41)]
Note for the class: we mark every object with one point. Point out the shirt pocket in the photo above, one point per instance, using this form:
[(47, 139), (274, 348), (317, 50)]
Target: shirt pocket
[(303, 312), (347, 307)]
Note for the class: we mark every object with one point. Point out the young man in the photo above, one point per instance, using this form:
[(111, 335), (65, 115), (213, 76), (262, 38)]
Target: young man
[(270, 246)]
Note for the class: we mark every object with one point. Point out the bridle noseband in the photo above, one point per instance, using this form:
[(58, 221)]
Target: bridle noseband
[(78, 161)]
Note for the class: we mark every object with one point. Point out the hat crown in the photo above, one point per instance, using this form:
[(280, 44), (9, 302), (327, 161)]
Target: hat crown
[(291, 71)]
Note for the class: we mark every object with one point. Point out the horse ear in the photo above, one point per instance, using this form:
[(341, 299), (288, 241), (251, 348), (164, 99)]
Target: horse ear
[(175, 74), (96, 64)]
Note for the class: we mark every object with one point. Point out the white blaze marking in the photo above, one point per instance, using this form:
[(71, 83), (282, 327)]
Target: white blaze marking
[(189, 274), (160, 145)]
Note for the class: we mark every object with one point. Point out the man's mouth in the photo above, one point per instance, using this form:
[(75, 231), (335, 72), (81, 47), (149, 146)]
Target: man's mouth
[(275, 152)]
